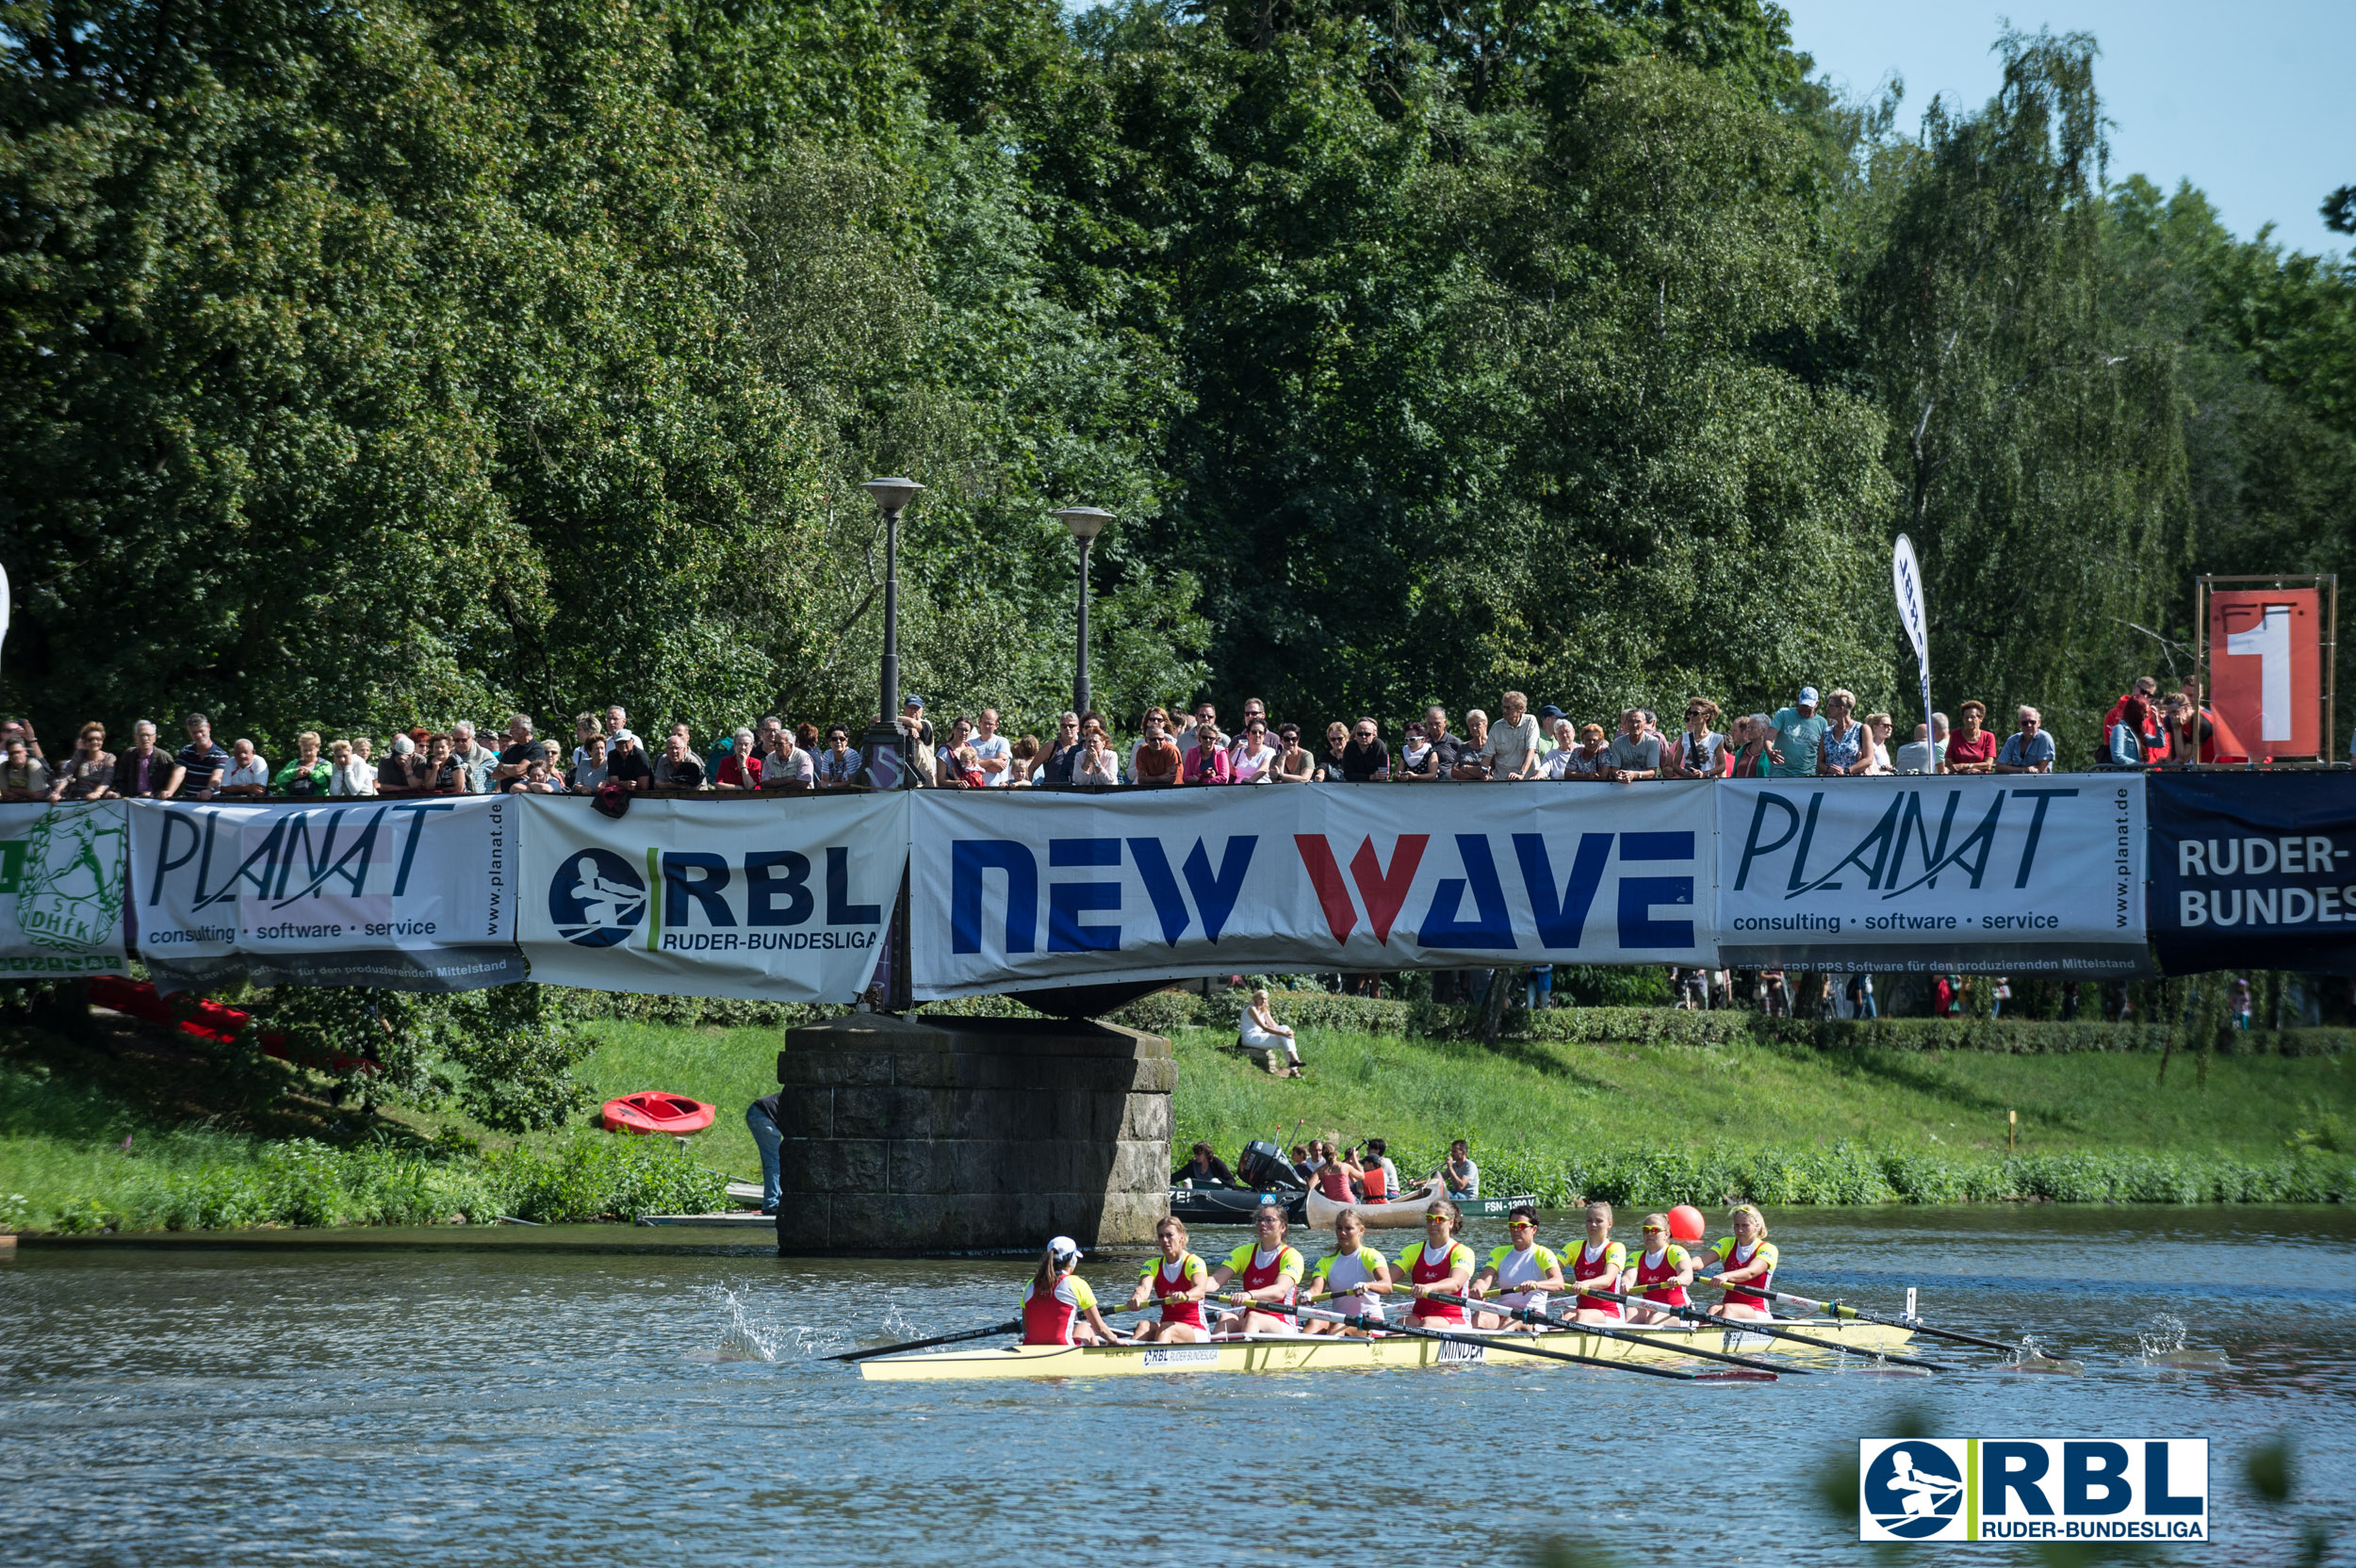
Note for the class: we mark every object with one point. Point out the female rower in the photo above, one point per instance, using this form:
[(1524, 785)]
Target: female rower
[(1747, 1257), (1438, 1266), (1179, 1280), (1526, 1272), (1262, 1269), (1660, 1272), (1056, 1297), (1598, 1262), (1354, 1275)]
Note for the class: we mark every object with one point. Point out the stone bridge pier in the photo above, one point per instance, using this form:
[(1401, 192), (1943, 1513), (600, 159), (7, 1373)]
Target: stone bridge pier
[(918, 1134)]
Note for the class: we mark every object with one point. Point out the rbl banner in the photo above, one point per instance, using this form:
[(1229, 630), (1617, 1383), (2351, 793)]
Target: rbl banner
[(2254, 870), (1010, 887), (2266, 671), (783, 900), (2087, 1490)]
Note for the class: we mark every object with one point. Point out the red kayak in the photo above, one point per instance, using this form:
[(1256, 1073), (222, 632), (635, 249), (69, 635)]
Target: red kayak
[(650, 1112)]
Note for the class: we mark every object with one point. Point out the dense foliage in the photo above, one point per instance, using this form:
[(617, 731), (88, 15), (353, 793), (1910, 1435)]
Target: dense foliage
[(363, 366)]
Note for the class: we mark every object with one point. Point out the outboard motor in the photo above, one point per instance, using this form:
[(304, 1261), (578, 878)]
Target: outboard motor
[(1263, 1166)]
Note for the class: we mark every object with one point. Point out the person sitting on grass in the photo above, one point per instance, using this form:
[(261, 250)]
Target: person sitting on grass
[(1259, 1032)]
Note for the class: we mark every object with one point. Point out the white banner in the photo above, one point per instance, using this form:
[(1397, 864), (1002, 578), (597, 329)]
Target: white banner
[(61, 889), (2018, 873), (785, 899), (1010, 887), (410, 894)]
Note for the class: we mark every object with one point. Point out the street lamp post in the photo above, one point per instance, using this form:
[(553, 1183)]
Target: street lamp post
[(892, 496), (891, 993), (1086, 523)]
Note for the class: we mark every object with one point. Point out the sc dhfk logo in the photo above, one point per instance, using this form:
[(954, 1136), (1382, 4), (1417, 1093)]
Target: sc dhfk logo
[(597, 898)]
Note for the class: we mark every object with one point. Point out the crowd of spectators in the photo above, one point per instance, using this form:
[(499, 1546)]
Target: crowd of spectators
[(1811, 737)]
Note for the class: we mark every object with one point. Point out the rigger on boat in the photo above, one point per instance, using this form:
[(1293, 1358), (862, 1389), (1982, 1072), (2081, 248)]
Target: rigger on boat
[(1271, 1323)]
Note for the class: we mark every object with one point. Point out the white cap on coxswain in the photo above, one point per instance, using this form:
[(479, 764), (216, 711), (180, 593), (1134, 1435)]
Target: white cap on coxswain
[(1064, 1246)]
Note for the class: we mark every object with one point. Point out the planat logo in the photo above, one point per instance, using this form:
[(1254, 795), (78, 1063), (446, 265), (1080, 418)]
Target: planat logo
[(597, 899), (1912, 1491)]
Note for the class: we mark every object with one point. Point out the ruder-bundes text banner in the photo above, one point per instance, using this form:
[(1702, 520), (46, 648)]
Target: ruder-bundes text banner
[(2254, 870), (61, 889), (408, 894), (2016, 872), (785, 900), (1009, 889)]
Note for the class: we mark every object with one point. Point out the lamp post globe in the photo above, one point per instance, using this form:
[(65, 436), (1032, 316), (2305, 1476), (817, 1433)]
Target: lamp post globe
[(891, 496), (1086, 523)]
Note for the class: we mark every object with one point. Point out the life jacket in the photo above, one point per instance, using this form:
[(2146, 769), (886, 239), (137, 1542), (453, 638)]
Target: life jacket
[(1603, 1271), (1649, 1275), (1047, 1317), (1378, 1183), (1424, 1272), (1165, 1284), (1333, 1181), (1735, 1295)]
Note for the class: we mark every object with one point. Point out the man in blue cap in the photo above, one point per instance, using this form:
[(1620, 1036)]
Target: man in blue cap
[(1799, 734)]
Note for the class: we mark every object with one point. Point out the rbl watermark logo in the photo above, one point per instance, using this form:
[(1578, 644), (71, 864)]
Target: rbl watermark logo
[(2033, 1489)]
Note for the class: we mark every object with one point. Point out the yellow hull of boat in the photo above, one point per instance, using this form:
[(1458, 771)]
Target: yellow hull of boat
[(1289, 1353)]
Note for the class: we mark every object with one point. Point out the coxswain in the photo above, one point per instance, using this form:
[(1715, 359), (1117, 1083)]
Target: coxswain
[(1179, 1280), (1747, 1257), (1262, 1269), (1437, 1266), (1660, 1273), (1525, 1272), (1598, 1262), (1056, 1298), (1353, 1278)]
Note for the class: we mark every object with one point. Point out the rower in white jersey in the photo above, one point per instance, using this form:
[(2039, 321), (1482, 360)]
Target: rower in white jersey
[(1353, 1276), (1525, 1273)]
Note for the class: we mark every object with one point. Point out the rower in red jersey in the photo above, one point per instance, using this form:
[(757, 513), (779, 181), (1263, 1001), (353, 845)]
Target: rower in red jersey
[(1262, 1269), (1747, 1257), (1056, 1299), (1179, 1280), (1598, 1261), (1437, 1266), (1660, 1273)]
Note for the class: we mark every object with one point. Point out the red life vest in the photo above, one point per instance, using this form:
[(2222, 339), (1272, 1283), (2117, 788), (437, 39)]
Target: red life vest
[(1426, 1272), (1378, 1183), (1599, 1272), (1334, 1183), (1649, 1275), (1166, 1284), (1047, 1317)]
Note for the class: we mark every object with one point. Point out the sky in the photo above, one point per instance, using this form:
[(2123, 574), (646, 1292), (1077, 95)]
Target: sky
[(2252, 103)]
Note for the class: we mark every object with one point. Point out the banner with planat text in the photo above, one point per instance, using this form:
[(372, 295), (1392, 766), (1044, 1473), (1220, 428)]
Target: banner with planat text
[(62, 891), (1010, 889), (2000, 874), (782, 899), (2254, 870), (409, 894)]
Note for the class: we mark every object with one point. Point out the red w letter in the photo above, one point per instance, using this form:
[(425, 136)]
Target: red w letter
[(1340, 918), (1385, 893)]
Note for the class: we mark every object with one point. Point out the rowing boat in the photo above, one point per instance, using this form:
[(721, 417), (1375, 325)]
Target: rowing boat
[(1407, 1209), (1303, 1353)]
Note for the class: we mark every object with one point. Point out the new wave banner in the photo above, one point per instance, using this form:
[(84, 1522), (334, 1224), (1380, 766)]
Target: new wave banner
[(61, 889), (1010, 887), (2253, 870), (2012, 873), (781, 899), (415, 895)]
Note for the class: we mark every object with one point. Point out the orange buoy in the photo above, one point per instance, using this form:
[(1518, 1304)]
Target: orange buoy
[(1685, 1222)]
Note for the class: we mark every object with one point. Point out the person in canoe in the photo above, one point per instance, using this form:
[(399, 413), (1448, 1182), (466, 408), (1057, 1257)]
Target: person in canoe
[(1746, 1257), (1525, 1272), (1599, 1262), (1262, 1269), (1439, 1265), (1660, 1273), (1179, 1280), (1337, 1178), (1353, 1276), (1056, 1301)]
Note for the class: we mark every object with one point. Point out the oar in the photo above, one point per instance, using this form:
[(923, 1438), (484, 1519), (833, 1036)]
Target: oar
[(1504, 1342), (1010, 1328), (1837, 1308), (1601, 1331), (1760, 1326)]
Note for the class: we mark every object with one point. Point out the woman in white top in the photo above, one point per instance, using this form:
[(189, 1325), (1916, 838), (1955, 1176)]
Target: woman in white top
[(1096, 766), (1253, 760), (1259, 1031), (1878, 728), (1697, 751), (1521, 1274), (1354, 1277), (348, 776), (1562, 762)]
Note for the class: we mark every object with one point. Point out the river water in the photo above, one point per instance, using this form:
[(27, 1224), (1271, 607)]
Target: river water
[(552, 1396)]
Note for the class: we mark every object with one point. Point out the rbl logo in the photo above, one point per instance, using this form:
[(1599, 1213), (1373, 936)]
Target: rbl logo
[(597, 898), (2033, 1489)]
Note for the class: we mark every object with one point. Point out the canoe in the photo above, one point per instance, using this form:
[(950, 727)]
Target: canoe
[(1407, 1208), (650, 1112), (1230, 1205), (1301, 1353)]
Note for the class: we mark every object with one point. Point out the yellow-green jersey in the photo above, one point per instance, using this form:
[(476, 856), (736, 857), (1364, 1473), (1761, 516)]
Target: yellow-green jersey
[(1518, 1270), (1425, 1268), (1255, 1269), (1730, 1256), (1339, 1274)]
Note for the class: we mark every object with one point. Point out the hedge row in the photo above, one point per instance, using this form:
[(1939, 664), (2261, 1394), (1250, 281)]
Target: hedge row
[(218, 1183)]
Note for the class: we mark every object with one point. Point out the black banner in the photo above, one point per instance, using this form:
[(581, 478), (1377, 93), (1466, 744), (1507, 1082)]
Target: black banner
[(2253, 870)]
